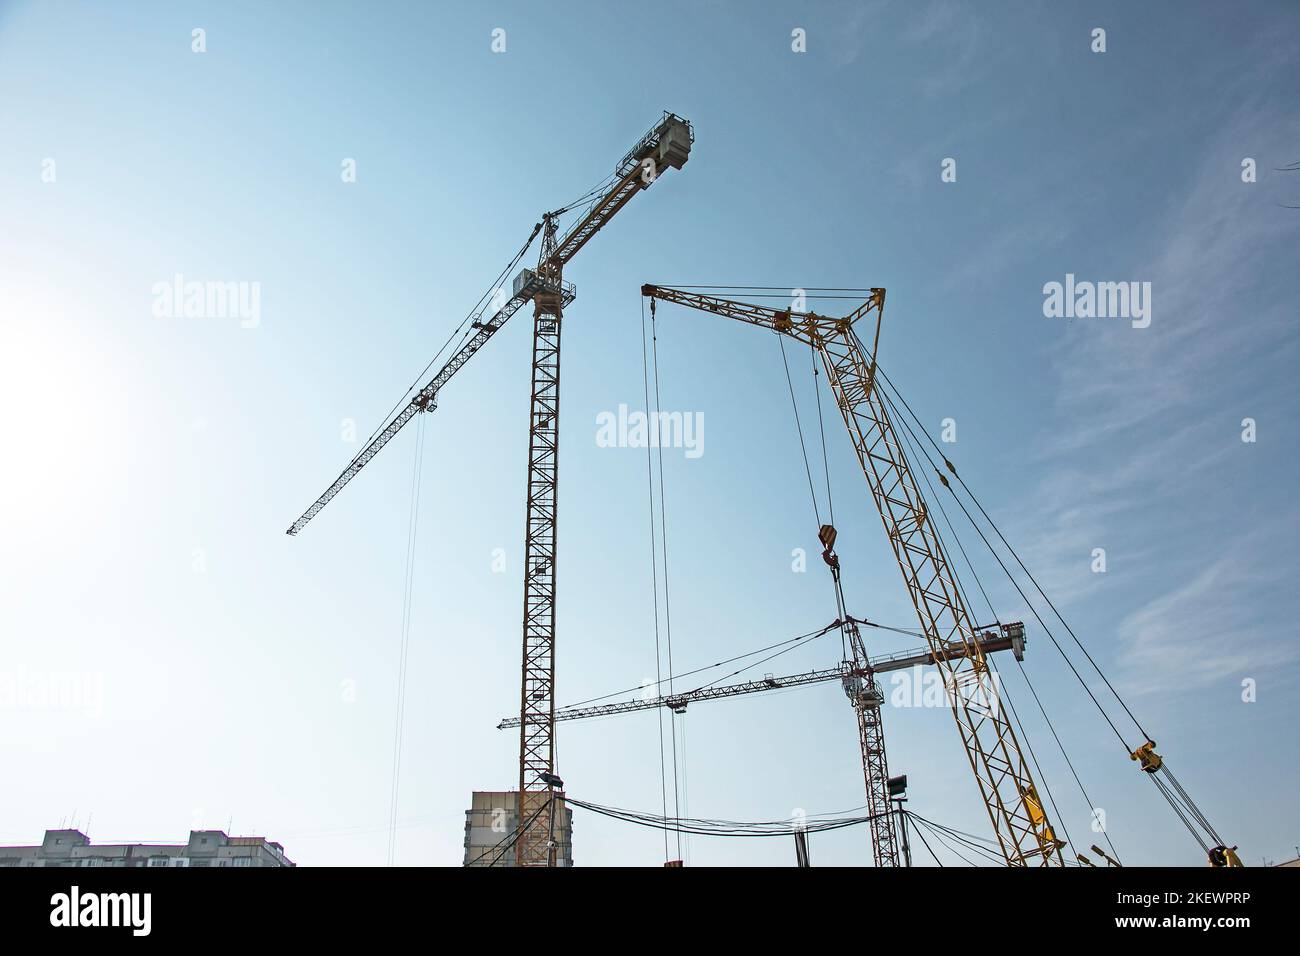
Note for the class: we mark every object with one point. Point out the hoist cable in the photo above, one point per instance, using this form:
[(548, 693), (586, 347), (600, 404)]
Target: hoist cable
[(1024, 735), (910, 439), (663, 536), (915, 442), (1014, 583), (686, 781), (821, 424), (473, 315), (592, 193), (1092, 807), (640, 688), (1048, 631), (1191, 804), (1188, 803), (404, 647), (1026, 570), (654, 572), (1169, 797), (787, 650), (920, 636), (803, 448), (799, 426)]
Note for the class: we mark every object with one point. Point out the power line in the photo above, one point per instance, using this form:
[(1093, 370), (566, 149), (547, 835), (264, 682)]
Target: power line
[(917, 830), (724, 828)]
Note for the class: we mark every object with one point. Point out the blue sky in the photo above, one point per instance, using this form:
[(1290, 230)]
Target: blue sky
[(152, 464)]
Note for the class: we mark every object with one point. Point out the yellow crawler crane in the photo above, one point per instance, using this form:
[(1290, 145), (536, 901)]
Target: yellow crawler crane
[(1024, 834)]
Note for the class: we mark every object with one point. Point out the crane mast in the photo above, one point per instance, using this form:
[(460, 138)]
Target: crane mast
[(667, 145), (536, 696), (866, 698), (1019, 821)]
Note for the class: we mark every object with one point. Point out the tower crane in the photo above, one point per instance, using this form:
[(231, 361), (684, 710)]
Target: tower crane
[(666, 145), (1009, 637), (858, 678), (1020, 825)]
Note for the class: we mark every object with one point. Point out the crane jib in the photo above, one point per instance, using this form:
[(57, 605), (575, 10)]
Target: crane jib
[(666, 145), (424, 400), (1008, 637)]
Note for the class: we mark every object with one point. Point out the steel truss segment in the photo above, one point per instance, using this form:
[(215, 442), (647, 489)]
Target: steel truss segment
[(899, 660), (665, 145), (875, 772), (867, 705), (1000, 770), (537, 688), (600, 213), (679, 701)]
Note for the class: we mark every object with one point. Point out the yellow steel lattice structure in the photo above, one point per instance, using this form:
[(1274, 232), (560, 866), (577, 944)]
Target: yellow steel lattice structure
[(1023, 833)]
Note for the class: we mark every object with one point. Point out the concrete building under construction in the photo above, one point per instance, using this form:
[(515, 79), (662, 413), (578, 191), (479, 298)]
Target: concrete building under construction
[(491, 829)]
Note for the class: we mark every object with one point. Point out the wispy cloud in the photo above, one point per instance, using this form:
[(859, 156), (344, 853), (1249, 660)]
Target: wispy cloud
[(1218, 625), (852, 38), (1149, 415), (1212, 255), (953, 34), (959, 36)]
